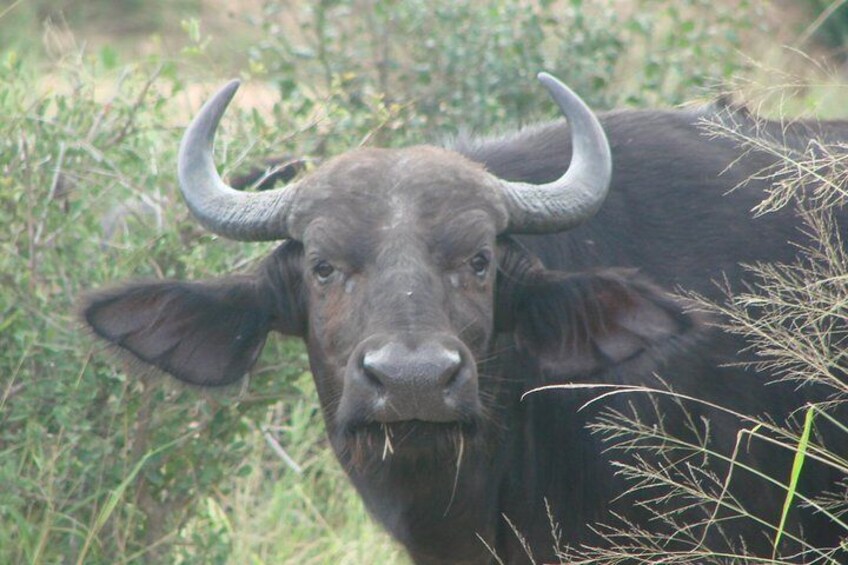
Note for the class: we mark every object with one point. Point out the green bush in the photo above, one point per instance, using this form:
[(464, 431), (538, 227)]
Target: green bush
[(446, 64), (76, 426), (119, 17)]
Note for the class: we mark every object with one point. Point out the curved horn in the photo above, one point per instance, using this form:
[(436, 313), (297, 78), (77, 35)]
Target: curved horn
[(580, 191), (255, 216)]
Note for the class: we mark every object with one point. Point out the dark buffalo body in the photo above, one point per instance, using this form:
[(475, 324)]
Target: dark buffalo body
[(430, 302)]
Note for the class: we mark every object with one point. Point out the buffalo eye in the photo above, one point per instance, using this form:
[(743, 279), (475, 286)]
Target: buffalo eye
[(323, 271), (480, 263)]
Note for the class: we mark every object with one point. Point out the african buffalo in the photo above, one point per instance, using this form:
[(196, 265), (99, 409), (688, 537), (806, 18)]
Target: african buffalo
[(434, 286)]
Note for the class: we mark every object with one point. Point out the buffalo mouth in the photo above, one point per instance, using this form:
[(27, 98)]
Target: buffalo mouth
[(377, 441)]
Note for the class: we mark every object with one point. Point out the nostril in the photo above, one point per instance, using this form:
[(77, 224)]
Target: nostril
[(372, 370), (451, 367)]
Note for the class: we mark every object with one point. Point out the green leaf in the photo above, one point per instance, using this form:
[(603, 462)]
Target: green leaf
[(797, 466)]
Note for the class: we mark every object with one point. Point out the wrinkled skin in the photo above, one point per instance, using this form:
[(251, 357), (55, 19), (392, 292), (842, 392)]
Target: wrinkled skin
[(403, 246)]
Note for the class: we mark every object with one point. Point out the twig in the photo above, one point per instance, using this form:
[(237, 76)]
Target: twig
[(817, 23), (278, 449), (134, 110), (95, 126), (54, 185), (459, 454), (12, 388), (10, 8)]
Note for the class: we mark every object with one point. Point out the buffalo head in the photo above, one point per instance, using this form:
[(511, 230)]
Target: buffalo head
[(388, 271)]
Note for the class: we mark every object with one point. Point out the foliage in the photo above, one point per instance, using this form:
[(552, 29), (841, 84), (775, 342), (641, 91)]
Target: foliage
[(124, 17), (438, 65)]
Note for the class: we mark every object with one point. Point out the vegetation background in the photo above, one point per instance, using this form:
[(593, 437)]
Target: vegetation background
[(101, 464)]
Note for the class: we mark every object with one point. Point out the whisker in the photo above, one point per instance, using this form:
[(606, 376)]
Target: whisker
[(497, 378)]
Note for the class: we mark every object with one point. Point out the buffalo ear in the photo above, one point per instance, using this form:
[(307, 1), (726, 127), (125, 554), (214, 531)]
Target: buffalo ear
[(585, 323), (203, 333)]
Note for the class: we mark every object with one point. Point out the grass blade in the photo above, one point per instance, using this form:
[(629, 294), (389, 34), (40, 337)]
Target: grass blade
[(797, 466), (116, 495)]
